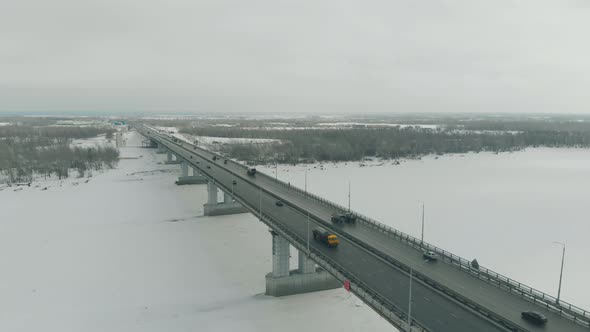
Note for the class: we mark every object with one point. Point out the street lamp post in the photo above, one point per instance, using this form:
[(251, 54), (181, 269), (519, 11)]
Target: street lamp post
[(561, 272), (306, 179), (422, 235), (308, 253), (349, 196), (410, 304), (260, 202)]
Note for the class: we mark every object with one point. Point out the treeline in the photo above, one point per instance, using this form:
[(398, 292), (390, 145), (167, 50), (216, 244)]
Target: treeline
[(28, 151), (388, 143), (51, 135), (524, 125), (22, 161)]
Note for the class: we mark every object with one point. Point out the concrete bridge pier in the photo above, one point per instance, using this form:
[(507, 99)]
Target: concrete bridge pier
[(161, 149), (153, 144), (171, 158), (307, 278), (215, 208), (227, 198), (184, 178)]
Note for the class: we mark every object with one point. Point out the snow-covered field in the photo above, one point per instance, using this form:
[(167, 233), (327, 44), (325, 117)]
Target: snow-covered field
[(375, 125), (506, 210), (94, 142), (210, 141), (130, 251)]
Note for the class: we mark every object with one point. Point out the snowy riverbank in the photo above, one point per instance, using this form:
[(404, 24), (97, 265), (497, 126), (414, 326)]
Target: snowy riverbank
[(130, 251)]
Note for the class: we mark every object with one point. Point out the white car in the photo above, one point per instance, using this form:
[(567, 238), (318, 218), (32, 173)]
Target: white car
[(430, 255)]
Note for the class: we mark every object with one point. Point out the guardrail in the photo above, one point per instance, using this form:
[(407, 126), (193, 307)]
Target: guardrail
[(565, 309), (372, 298), (493, 317)]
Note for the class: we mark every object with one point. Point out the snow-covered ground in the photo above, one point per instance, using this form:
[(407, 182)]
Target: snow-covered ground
[(130, 251), (209, 141), (94, 142), (506, 210), (375, 125)]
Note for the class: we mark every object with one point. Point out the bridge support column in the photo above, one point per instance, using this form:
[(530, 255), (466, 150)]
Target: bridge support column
[(170, 160), (280, 256), (184, 168), (227, 198), (196, 178), (161, 149), (306, 265), (228, 206), (307, 278), (212, 191)]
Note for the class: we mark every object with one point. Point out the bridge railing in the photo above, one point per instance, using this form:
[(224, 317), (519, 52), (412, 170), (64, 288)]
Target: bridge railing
[(375, 296), (368, 295), (565, 309)]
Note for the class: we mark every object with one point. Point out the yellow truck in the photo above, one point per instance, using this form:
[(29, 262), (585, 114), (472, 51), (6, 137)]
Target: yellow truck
[(324, 236)]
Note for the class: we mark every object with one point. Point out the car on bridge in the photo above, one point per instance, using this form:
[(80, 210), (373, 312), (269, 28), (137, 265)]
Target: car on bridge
[(279, 203), (322, 235), (251, 171), (234, 182), (430, 255), (343, 217), (534, 317)]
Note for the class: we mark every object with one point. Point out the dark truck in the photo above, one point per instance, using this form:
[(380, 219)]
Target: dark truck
[(343, 217), (322, 235), (251, 171)]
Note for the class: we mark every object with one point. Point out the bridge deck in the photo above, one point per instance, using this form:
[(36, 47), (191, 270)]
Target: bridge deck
[(430, 307)]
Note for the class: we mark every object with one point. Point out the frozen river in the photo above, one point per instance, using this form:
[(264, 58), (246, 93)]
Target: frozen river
[(506, 210), (128, 250)]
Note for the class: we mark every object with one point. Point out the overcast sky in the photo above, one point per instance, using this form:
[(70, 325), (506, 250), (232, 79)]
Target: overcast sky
[(295, 56)]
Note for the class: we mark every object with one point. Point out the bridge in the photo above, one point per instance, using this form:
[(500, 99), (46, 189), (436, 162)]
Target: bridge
[(380, 265)]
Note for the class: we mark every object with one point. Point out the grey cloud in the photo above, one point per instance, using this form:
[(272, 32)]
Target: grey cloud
[(294, 56)]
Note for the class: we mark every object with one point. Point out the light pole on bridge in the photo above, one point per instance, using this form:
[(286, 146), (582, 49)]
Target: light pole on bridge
[(306, 179), (308, 252), (276, 166), (348, 195), (422, 234), (561, 272), (410, 304)]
